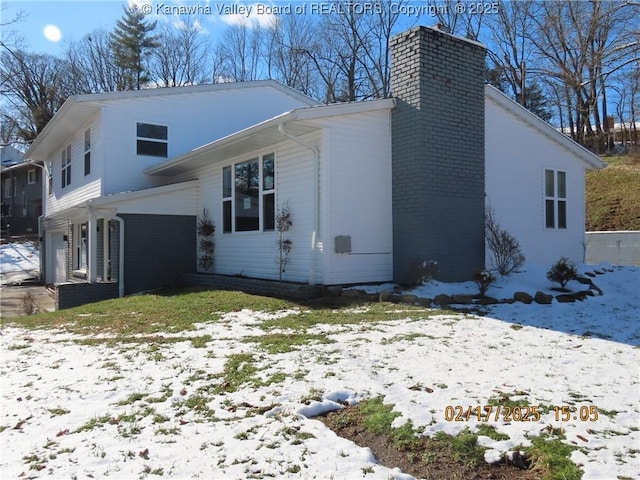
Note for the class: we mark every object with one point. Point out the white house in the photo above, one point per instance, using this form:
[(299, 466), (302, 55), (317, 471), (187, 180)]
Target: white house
[(372, 187)]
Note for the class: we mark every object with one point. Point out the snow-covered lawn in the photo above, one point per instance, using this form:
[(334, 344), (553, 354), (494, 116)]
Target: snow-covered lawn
[(18, 262), (133, 410)]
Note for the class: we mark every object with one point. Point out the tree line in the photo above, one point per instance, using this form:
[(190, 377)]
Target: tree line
[(576, 62)]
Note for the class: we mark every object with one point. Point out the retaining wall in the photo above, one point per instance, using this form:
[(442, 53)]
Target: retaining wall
[(617, 248)]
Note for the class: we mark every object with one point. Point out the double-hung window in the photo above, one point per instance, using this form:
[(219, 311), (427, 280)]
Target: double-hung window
[(87, 152), (555, 198), (66, 166), (152, 140), (248, 195)]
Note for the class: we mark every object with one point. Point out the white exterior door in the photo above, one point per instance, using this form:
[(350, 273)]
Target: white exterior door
[(57, 258)]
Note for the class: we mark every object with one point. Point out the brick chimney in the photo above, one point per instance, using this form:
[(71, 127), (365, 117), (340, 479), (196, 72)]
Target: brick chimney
[(437, 153)]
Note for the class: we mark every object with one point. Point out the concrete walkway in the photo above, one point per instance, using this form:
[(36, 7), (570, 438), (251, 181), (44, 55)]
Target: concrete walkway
[(12, 300)]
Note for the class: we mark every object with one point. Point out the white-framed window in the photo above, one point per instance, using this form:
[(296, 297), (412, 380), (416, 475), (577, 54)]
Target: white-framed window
[(7, 188), (555, 199), (87, 152), (32, 176), (152, 140), (65, 158), (248, 195)]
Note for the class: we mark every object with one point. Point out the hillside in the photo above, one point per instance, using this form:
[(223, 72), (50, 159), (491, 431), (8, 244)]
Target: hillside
[(613, 195)]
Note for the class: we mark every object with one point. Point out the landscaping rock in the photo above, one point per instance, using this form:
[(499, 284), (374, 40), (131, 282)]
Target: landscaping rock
[(408, 298), (443, 299), (543, 298), (523, 297), (566, 298), (487, 301), (424, 302), (384, 296), (462, 299)]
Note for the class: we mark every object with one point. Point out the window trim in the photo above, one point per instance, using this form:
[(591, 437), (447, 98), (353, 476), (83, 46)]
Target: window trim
[(557, 217), (65, 171), (162, 141), (32, 176), (228, 195), (7, 187)]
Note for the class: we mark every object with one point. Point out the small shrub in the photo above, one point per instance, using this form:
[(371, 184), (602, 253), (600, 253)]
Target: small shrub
[(283, 224), (29, 305), (206, 230), (562, 272), (507, 256), (483, 279), (423, 272)]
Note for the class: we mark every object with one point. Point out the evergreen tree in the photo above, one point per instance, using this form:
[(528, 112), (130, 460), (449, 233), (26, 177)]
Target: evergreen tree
[(131, 41)]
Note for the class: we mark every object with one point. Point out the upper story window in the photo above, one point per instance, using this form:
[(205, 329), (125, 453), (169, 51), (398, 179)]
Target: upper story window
[(555, 198), (7, 188), (32, 176), (248, 195), (152, 140), (66, 166), (87, 152)]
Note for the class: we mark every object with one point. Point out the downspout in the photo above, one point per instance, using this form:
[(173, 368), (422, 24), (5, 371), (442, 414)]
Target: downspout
[(316, 199)]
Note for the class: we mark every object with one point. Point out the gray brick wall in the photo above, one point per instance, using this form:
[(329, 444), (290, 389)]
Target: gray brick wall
[(70, 295), (158, 248), (254, 286), (438, 153)]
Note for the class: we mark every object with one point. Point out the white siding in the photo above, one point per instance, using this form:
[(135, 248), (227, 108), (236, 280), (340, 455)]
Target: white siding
[(255, 254), (82, 187), (516, 157), (358, 198), (193, 119), (179, 202)]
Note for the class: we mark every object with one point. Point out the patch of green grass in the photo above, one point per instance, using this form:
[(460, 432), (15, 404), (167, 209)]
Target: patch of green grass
[(378, 416), (55, 412), (95, 422), (336, 314), (406, 337), (240, 369), (515, 326), (464, 446), (287, 342), (168, 311), (552, 458), (133, 398), (491, 432), (504, 400)]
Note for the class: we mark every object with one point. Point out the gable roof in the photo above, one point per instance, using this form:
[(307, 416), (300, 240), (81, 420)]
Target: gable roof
[(299, 121), (78, 110), (590, 160)]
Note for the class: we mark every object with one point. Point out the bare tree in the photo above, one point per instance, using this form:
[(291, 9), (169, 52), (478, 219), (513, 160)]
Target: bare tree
[(580, 44), (287, 45), (92, 66), (241, 52), (181, 58), (34, 86)]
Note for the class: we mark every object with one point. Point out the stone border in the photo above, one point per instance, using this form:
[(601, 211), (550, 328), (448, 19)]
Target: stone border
[(444, 300)]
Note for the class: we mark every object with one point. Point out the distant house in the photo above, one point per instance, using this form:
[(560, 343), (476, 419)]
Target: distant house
[(372, 187), (21, 195)]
